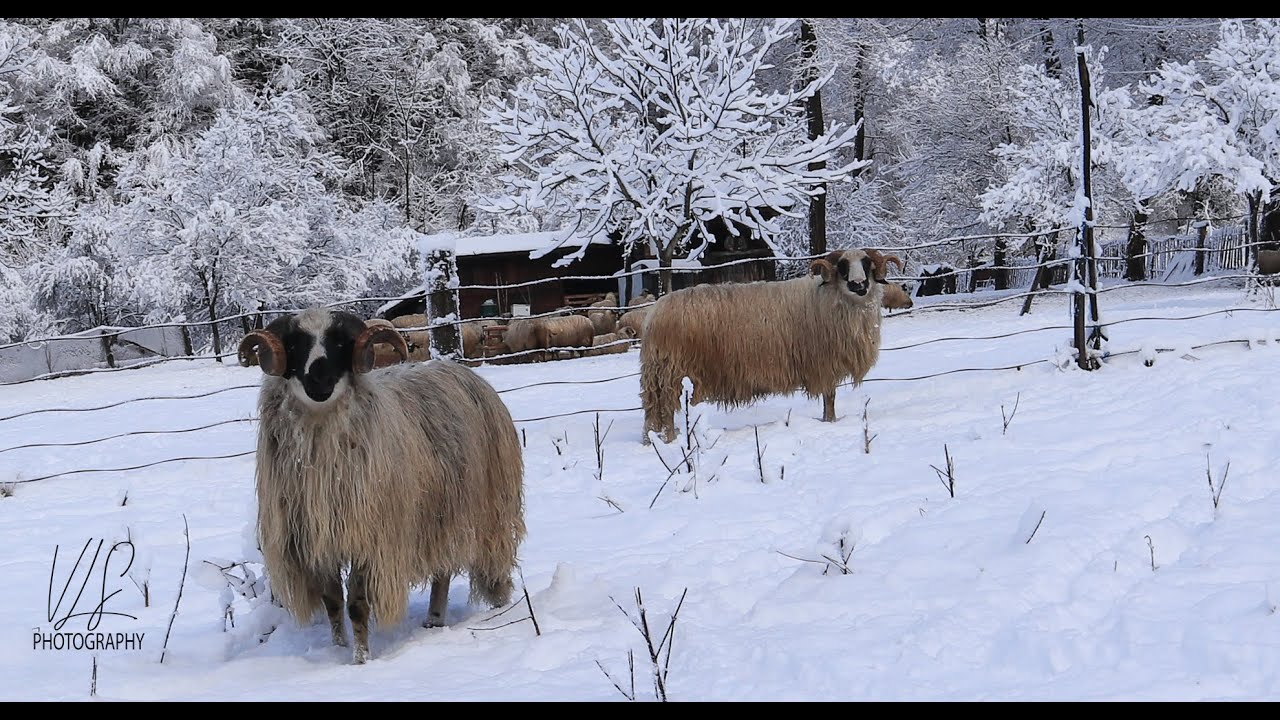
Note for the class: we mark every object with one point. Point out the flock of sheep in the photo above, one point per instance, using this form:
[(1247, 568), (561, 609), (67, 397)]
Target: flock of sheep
[(406, 474)]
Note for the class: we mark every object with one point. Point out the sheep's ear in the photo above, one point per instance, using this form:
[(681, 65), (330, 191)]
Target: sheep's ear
[(362, 359), (264, 349), (823, 268)]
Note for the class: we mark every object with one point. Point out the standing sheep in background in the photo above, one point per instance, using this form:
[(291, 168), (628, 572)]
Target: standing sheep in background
[(384, 353), (549, 333), (741, 342), (403, 476), (418, 338), (472, 333), (604, 315), (896, 297), (524, 334), (569, 331), (603, 320), (634, 319)]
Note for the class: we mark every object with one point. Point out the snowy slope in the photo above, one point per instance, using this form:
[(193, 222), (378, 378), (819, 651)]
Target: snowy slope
[(1082, 557)]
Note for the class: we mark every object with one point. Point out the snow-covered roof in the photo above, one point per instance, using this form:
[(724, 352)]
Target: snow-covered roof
[(647, 263), (477, 245), (418, 291), (510, 243)]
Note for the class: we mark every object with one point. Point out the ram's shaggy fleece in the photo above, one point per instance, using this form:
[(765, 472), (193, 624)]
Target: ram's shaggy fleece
[(414, 473), (738, 343)]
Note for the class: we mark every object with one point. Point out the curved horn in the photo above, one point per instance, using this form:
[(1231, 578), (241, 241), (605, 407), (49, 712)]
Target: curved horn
[(264, 349), (362, 355), (823, 268), (882, 262)]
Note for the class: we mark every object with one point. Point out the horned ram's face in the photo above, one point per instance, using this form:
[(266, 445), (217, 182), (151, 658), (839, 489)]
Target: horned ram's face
[(318, 347), (851, 271), (855, 271)]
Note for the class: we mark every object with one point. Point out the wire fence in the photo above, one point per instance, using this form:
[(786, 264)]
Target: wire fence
[(1224, 252), (1228, 248), (561, 383)]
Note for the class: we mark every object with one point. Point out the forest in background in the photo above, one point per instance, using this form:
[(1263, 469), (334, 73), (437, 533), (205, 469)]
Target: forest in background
[(158, 169)]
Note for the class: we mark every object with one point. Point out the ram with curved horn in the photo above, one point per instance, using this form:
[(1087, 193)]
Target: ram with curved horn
[(741, 342), (400, 476)]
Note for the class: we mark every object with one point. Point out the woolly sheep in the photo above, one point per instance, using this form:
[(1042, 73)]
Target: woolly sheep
[(634, 318), (525, 334), (406, 475), (896, 297), (569, 331), (743, 341), (419, 339), (473, 336), (548, 333), (609, 343), (603, 320)]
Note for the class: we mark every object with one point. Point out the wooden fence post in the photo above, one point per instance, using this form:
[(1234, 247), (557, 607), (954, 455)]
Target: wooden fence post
[(1084, 266), (1202, 234), (442, 302)]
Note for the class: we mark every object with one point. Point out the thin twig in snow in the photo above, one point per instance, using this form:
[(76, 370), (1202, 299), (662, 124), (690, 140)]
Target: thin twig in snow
[(867, 437), (1037, 527), (186, 532), (1009, 418), (529, 604), (948, 478), (1215, 493)]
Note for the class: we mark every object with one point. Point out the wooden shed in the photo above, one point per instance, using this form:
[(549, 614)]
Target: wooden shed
[(503, 261)]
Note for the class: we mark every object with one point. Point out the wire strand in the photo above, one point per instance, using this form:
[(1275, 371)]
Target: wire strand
[(126, 402), (127, 434), (64, 473)]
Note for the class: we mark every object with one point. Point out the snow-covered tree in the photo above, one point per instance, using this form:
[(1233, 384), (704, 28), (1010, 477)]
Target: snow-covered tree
[(33, 206), (1217, 117), (18, 317), (656, 129), (1042, 167), (241, 220), (123, 81), (30, 202), (400, 100), (77, 282), (850, 50), (947, 114)]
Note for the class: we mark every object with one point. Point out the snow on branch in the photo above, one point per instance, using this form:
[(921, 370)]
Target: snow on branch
[(658, 127)]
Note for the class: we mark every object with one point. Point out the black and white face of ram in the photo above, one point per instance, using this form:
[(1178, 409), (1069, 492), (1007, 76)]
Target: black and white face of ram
[(318, 347), (854, 269)]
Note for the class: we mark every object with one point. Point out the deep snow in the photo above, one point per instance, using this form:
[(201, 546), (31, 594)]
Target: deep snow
[(1132, 586)]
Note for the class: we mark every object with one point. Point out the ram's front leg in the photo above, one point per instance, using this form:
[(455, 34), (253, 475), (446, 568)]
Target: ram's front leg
[(439, 601), (330, 587), (358, 608), (829, 406)]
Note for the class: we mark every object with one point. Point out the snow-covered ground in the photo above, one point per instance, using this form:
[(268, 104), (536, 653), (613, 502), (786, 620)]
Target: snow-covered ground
[(1081, 557)]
